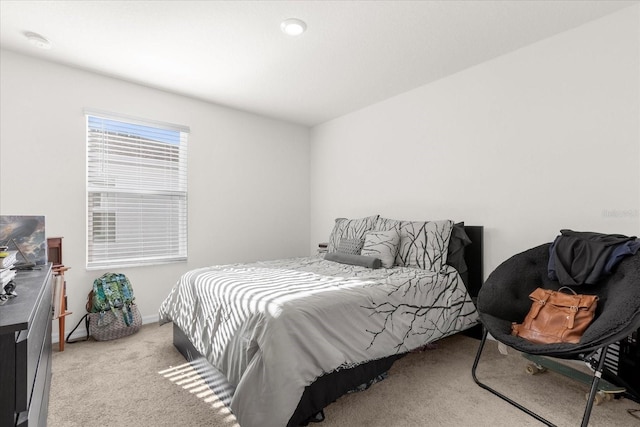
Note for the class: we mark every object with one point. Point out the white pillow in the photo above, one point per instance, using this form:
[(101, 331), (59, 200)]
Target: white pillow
[(424, 244), (383, 245), (387, 224)]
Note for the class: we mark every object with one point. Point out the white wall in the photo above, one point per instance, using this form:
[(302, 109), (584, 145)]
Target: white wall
[(543, 138), (248, 175)]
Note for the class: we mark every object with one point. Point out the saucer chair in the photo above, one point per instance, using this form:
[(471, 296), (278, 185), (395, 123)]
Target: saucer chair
[(504, 298)]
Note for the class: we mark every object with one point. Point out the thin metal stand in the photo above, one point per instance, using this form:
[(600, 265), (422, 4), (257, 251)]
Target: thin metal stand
[(592, 393)]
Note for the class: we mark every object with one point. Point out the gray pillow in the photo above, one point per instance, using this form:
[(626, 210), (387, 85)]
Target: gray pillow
[(350, 246), (455, 255), (382, 244), (362, 261)]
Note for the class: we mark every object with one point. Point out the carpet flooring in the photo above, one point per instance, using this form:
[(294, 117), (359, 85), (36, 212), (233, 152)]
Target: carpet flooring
[(142, 380)]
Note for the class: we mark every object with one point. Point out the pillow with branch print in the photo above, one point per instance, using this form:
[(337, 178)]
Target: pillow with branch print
[(384, 224), (424, 244), (349, 229), (382, 244)]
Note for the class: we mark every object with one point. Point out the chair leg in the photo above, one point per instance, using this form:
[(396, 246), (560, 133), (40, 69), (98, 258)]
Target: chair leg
[(497, 393), (592, 393), (594, 387)]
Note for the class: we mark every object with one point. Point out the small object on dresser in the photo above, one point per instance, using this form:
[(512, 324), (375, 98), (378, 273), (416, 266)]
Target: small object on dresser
[(6, 276), (7, 291), (8, 259)]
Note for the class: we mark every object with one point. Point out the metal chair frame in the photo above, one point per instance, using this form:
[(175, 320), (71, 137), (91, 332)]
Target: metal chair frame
[(598, 370)]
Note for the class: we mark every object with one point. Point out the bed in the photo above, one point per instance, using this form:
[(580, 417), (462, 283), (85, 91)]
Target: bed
[(280, 340)]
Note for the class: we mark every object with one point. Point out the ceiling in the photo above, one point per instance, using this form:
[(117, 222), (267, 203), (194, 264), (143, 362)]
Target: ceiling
[(353, 54)]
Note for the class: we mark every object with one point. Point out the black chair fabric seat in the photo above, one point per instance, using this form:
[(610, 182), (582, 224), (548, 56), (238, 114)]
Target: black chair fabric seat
[(504, 298)]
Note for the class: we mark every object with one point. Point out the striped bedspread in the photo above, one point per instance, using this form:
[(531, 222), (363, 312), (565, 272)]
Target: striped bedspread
[(273, 327)]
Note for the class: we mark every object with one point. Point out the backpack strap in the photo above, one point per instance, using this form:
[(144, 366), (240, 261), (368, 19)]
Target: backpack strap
[(125, 289), (100, 302)]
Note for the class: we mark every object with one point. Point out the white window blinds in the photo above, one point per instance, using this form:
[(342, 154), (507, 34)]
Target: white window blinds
[(136, 192)]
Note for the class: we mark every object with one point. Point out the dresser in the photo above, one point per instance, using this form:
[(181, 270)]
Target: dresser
[(25, 350)]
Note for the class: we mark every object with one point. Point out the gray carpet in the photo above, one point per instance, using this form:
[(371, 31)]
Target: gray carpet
[(142, 380)]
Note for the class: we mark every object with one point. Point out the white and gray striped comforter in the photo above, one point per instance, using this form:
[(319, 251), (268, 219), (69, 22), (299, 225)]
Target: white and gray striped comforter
[(273, 327)]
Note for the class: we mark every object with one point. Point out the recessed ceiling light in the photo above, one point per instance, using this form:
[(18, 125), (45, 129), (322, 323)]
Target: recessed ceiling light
[(37, 40), (293, 27)]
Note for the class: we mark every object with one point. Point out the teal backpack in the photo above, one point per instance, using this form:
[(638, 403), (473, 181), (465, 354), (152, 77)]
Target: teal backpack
[(111, 310), (112, 291)]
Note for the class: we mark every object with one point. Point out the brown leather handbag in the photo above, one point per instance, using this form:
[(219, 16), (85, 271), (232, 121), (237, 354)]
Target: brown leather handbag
[(556, 317)]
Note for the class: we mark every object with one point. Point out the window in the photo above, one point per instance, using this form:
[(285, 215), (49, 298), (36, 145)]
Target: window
[(136, 192)]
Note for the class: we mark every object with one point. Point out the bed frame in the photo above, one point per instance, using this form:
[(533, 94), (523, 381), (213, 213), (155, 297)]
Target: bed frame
[(328, 388)]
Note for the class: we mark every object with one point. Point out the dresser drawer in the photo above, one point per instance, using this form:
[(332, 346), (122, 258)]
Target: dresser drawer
[(36, 415), (29, 346)]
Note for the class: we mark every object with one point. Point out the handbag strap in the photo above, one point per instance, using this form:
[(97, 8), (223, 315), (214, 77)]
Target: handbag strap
[(583, 301), (566, 287), (86, 325), (539, 302)]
